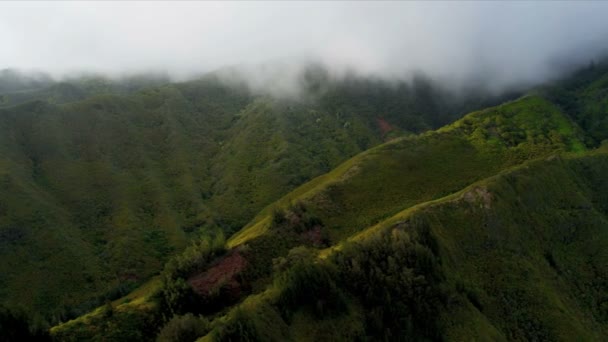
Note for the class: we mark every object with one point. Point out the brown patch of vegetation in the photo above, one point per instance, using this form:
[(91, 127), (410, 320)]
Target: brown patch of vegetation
[(384, 126), (314, 236), (221, 275), (480, 194)]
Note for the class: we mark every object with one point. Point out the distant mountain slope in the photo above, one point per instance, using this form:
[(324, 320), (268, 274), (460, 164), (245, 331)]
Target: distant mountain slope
[(18, 87), (100, 188), (14, 81), (120, 183), (416, 169), (351, 202), (584, 96)]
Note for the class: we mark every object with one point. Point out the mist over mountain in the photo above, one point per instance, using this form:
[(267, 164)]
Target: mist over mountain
[(498, 45)]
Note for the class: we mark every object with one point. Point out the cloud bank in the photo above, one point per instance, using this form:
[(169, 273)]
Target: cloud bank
[(502, 43)]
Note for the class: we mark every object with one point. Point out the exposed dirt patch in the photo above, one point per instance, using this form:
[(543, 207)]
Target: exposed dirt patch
[(384, 126), (128, 276), (222, 274), (293, 219), (353, 170), (314, 236), (480, 194)]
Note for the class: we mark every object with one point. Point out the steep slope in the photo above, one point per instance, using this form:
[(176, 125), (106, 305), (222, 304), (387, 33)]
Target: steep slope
[(584, 96), (412, 170), (18, 88), (98, 192), (518, 256), (12, 80), (105, 183), (360, 193)]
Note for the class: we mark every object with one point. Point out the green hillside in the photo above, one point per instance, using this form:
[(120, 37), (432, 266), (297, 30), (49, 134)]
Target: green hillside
[(18, 87), (518, 256), (455, 227), (411, 170), (100, 188), (291, 267), (12, 80), (583, 97)]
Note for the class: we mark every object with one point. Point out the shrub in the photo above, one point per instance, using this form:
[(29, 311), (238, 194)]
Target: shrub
[(177, 296), (240, 327), (397, 269), (184, 328), (312, 286)]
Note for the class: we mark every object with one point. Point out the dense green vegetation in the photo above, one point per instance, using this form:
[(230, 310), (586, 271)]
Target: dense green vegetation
[(490, 227), (18, 88), (518, 256), (583, 97), (102, 181), (411, 170), (458, 268), (177, 295)]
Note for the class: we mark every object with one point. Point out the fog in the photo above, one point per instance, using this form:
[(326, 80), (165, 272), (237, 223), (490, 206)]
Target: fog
[(501, 44)]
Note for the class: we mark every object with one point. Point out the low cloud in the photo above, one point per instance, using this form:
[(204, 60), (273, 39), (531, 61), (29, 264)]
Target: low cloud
[(500, 44)]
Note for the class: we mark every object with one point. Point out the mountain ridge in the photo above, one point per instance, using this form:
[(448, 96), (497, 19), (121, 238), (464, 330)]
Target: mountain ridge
[(301, 237), (126, 178)]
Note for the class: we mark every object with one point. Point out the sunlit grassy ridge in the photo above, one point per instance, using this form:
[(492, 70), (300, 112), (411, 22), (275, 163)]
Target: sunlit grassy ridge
[(402, 173), (515, 256), (120, 319)]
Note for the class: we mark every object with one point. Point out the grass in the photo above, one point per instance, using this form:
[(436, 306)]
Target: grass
[(130, 309), (402, 173), (102, 181), (508, 276), (121, 182), (516, 264), (129, 182), (457, 192), (389, 185)]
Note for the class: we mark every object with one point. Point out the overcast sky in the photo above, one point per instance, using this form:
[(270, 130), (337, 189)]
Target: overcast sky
[(507, 42)]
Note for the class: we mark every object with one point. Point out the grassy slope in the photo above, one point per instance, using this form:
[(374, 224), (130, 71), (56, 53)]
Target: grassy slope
[(18, 88), (521, 257), (116, 176), (407, 171), (584, 96), (401, 174), (141, 172), (534, 256), (97, 193), (116, 320), (415, 173)]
